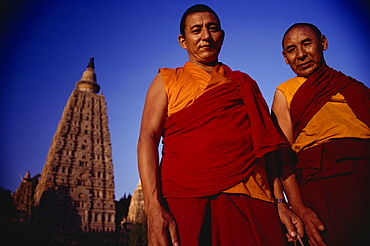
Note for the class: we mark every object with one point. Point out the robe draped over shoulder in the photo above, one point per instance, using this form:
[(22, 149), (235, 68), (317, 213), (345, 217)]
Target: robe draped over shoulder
[(214, 142), (319, 88), (325, 107)]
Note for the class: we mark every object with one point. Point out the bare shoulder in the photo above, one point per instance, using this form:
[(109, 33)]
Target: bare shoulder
[(279, 102), (155, 108), (156, 92), (157, 84), (280, 110)]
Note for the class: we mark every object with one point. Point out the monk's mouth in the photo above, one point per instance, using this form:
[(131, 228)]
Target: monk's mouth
[(207, 47), (305, 65)]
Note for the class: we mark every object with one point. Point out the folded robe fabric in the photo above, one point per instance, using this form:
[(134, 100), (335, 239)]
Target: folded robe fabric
[(213, 144), (227, 219), (307, 101), (319, 88)]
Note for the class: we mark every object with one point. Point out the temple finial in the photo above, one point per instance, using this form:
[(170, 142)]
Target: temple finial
[(91, 63), (88, 81)]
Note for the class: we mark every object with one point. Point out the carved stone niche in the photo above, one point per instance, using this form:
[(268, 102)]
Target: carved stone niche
[(80, 194)]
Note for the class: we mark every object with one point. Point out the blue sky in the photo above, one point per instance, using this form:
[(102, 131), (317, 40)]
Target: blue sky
[(46, 45)]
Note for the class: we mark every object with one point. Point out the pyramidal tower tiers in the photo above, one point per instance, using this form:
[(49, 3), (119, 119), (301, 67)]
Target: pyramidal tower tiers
[(76, 187)]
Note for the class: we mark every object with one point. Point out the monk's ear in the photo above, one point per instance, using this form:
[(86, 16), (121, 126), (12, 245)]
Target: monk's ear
[(324, 42), (285, 59), (182, 42)]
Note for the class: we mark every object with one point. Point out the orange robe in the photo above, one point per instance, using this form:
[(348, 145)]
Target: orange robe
[(335, 119)]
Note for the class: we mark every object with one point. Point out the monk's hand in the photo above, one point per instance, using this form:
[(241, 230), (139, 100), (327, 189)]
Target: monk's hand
[(313, 225), (291, 221), (162, 228)]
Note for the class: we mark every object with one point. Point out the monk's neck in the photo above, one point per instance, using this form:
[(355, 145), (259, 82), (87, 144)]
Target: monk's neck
[(206, 67)]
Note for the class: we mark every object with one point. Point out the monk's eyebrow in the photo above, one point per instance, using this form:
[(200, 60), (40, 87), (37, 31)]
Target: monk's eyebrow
[(213, 24), (306, 40), (208, 25), (196, 26)]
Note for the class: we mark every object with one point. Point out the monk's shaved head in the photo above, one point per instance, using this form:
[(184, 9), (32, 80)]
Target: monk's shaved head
[(314, 28), (196, 9)]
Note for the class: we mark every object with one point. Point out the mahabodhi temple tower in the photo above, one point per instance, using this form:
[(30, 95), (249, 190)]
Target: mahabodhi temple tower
[(76, 188)]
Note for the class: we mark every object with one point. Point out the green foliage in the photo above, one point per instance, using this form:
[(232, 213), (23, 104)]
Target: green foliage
[(138, 235)]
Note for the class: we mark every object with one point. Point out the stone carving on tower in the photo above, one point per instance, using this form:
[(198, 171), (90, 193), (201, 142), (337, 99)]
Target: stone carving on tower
[(76, 188)]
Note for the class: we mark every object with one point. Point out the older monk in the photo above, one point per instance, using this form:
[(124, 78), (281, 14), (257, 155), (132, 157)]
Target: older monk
[(325, 115)]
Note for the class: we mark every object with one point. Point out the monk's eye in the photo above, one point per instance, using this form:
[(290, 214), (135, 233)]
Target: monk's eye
[(214, 28), (290, 50), (196, 31)]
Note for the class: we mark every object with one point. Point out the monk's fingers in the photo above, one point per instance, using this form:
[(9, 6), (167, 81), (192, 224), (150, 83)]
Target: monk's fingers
[(158, 235), (173, 234), (299, 226), (318, 224), (314, 237), (315, 242), (289, 238), (291, 230), (312, 219), (313, 227), (291, 221), (296, 226)]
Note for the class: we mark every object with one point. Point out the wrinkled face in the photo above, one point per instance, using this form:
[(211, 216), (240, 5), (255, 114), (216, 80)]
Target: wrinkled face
[(303, 51), (203, 38)]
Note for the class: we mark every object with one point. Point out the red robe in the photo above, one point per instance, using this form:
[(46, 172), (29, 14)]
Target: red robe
[(212, 145), (319, 88), (334, 177)]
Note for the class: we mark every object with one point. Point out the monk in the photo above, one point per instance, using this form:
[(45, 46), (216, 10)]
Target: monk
[(211, 187), (325, 115)]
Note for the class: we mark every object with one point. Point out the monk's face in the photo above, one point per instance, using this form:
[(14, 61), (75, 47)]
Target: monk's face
[(303, 50), (203, 38)]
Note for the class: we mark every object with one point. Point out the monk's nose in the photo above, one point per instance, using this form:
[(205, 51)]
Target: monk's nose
[(205, 34), (301, 53)]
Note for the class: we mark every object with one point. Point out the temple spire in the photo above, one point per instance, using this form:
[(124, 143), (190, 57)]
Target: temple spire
[(91, 63), (76, 188), (88, 80)]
